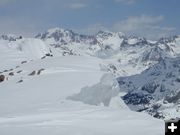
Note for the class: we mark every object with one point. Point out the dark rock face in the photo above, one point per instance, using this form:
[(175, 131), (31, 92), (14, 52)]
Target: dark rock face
[(155, 54), (137, 98), (32, 73), (23, 62), (154, 89), (163, 88), (11, 73), (39, 71), (150, 87), (49, 55), (140, 42), (154, 111), (19, 71), (20, 81), (167, 40), (174, 99), (2, 78)]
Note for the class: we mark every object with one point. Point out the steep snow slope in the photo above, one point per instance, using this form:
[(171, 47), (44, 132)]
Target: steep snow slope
[(32, 48), (13, 52), (9, 57), (37, 104), (110, 39)]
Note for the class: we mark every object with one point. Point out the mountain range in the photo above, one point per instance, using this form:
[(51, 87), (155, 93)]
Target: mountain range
[(128, 58), (140, 75)]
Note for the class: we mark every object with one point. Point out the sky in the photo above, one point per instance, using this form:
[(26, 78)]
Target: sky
[(147, 18)]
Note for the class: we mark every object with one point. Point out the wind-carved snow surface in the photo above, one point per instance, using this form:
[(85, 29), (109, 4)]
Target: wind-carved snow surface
[(99, 93), (106, 93)]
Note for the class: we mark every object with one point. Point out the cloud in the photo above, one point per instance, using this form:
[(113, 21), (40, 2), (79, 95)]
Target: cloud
[(144, 25), (71, 4), (77, 5), (126, 1)]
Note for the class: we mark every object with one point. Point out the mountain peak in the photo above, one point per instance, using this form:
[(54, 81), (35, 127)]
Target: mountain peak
[(10, 37), (57, 29), (106, 33), (57, 34)]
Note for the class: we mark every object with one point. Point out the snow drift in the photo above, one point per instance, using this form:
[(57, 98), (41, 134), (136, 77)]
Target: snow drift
[(101, 92)]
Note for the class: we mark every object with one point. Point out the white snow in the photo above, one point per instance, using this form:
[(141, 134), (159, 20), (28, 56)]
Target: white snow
[(132, 41), (99, 93), (32, 48), (74, 94), (14, 52), (39, 106)]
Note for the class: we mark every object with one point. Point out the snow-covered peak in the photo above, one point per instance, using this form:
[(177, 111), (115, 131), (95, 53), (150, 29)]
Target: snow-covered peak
[(57, 29), (134, 41), (166, 40), (108, 34), (154, 54), (58, 37), (110, 39), (10, 37), (57, 34)]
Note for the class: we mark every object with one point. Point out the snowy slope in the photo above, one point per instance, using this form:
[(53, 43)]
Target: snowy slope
[(32, 48), (13, 52), (38, 104), (83, 120), (45, 93)]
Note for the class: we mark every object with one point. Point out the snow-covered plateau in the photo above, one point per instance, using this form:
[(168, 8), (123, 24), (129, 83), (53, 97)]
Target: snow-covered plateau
[(64, 83)]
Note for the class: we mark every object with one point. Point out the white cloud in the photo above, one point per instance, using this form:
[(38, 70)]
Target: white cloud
[(126, 1), (147, 26), (144, 26), (72, 4), (77, 5)]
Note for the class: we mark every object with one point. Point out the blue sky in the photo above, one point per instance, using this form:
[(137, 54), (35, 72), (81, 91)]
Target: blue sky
[(148, 18)]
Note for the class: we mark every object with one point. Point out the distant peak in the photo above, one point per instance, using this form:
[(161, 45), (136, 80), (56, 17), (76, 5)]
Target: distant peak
[(109, 32), (10, 37), (57, 29), (106, 33)]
